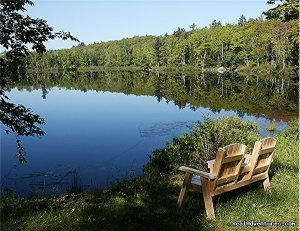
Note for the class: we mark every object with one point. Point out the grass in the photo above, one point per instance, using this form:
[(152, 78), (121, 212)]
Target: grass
[(149, 202), (272, 128), (76, 186)]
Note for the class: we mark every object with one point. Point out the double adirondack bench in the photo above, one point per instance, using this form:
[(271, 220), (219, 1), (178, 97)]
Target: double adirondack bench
[(231, 169)]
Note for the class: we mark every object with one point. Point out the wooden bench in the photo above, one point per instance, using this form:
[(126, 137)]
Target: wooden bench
[(231, 169)]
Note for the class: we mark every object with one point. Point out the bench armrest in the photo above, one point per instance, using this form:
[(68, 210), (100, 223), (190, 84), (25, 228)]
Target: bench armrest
[(196, 172)]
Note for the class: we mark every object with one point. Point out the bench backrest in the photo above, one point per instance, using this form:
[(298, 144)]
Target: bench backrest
[(228, 164), (261, 157)]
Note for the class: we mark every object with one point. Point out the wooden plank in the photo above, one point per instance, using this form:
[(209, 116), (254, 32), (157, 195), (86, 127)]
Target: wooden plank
[(232, 158), (264, 159), (226, 179), (196, 172), (218, 162), (247, 158), (210, 162), (210, 165), (234, 149), (209, 207), (266, 150), (268, 142), (253, 161), (217, 166), (261, 169), (231, 168), (239, 184), (239, 168), (184, 189)]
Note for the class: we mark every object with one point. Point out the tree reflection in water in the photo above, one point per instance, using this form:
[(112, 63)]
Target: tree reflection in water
[(20, 121), (271, 96)]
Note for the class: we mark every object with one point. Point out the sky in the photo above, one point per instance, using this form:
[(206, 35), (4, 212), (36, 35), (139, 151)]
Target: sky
[(98, 20)]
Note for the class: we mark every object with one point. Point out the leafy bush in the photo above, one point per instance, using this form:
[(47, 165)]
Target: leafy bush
[(201, 144)]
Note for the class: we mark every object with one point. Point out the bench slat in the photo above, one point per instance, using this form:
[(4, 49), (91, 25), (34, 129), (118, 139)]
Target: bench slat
[(226, 179), (266, 150), (232, 158), (260, 169)]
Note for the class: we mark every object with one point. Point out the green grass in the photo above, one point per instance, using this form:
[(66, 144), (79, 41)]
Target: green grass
[(149, 203), (272, 128)]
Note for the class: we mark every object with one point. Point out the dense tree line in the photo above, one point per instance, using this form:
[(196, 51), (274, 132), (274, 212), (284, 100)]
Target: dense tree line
[(249, 43)]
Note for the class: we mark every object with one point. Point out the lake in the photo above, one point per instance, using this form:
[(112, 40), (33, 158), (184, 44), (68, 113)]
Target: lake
[(101, 127)]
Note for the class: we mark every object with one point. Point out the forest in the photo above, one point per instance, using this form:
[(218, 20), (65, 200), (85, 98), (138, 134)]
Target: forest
[(254, 43)]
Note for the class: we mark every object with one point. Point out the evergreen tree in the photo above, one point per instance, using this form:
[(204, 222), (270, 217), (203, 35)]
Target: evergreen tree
[(193, 26), (242, 20), (215, 23)]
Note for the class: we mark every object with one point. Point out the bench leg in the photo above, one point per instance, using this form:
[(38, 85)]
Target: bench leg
[(184, 189), (267, 186), (208, 202)]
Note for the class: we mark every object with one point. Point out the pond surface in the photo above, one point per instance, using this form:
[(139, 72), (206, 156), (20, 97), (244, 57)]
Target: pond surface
[(102, 127)]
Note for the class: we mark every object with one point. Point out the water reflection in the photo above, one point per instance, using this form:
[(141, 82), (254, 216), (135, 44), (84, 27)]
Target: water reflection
[(101, 126), (275, 97)]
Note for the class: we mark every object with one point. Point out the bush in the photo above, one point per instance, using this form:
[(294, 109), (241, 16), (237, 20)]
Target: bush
[(201, 144)]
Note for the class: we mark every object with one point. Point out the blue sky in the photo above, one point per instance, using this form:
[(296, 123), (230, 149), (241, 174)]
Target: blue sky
[(98, 20)]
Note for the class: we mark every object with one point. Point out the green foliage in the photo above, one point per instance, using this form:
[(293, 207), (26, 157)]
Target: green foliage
[(271, 43), (286, 11), (18, 31), (201, 144), (286, 157), (272, 128), (292, 132)]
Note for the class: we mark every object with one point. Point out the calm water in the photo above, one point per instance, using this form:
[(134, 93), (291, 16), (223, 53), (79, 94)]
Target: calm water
[(102, 127)]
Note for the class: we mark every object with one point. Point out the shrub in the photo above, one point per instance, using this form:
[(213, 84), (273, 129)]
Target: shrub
[(201, 144), (272, 128)]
